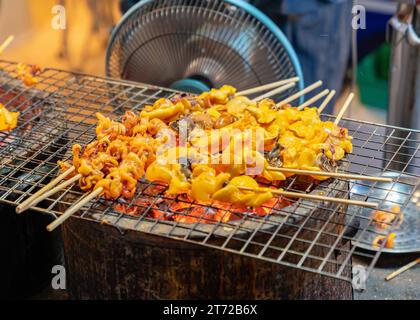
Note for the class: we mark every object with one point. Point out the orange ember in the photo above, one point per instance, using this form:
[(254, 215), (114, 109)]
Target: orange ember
[(182, 209)]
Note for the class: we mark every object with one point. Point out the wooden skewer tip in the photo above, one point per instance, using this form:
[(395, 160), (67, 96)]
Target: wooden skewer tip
[(402, 269), (313, 99), (275, 91), (26, 204), (326, 101), (53, 191), (76, 207), (344, 108), (6, 43), (300, 93), (267, 86)]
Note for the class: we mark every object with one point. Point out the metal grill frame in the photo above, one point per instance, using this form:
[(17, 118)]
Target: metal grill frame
[(70, 101)]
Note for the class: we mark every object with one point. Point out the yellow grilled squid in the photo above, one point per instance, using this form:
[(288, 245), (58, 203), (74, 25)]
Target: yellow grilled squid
[(233, 194), (8, 119), (205, 182)]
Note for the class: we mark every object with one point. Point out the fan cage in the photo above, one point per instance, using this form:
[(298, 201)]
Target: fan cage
[(243, 47)]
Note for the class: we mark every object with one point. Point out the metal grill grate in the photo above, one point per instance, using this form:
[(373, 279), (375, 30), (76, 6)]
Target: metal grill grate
[(318, 237)]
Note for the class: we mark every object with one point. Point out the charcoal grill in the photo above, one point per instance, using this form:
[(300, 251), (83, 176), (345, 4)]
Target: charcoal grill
[(307, 237), (28, 252)]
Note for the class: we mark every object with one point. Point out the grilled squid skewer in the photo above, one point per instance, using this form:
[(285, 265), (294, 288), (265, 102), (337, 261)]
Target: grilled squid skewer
[(8, 119), (125, 151), (76, 207)]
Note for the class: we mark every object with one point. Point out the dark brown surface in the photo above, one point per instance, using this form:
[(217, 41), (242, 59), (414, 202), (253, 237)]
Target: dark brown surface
[(28, 252), (103, 264)]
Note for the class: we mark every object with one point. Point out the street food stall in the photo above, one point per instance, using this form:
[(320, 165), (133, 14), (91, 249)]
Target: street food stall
[(187, 156)]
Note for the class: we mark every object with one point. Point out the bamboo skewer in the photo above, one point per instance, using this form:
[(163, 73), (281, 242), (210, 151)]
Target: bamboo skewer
[(6, 43), (344, 108), (284, 170), (330, 174), (402, 269), (267, 86), (27, 203), (46, 192), (313, 197), (326, 101), (53, 191), (43, 193), (300, 93), (275, 91), (98, 191), (67, 183), (311, 101), (53, 225)]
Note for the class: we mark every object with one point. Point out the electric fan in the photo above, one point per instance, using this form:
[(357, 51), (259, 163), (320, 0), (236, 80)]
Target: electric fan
[(193, 45)]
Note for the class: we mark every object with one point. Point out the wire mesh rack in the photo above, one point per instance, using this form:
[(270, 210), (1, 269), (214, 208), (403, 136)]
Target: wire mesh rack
[(318, 237)]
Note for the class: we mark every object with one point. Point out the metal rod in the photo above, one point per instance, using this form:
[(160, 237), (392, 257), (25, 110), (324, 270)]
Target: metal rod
[(330, 174), (313, 197)]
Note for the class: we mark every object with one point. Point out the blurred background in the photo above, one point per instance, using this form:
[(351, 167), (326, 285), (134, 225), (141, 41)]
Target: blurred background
[(82, 45)]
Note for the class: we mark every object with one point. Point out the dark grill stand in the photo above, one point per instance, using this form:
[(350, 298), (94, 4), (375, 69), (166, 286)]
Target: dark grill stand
[(102, 263), (29, 252)]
